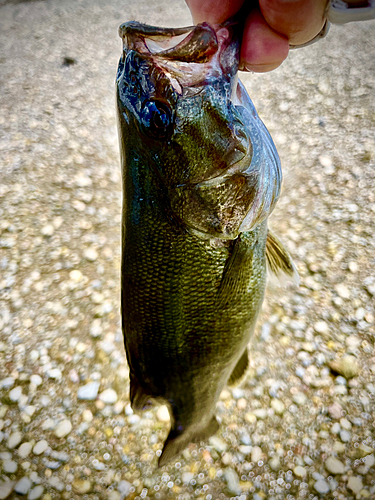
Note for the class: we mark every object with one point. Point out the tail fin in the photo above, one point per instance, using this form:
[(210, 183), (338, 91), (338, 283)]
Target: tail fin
[(177, 440)]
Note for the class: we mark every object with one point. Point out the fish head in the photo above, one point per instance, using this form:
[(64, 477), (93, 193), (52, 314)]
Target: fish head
[(183, 110)]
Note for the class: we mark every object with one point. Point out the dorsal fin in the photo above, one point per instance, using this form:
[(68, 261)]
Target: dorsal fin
[(280, 266)]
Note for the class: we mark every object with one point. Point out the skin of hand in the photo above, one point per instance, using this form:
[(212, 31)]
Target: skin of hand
[(270, 26)]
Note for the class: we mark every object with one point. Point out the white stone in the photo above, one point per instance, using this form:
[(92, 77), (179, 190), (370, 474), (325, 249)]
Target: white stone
[(55, 482), (187, 477), (163, 414), (260, 413), (96, 328), (75, 275), (345, 424), (25, 449), (218, 444), (342, 291), (256, 454), (90, 254), (40, 447), (300, 398), (14, 439), (30, 410), (109, 396), (321, 486), (63, 428), (278, 406), (355, 484), (334, 465), (10, 466), (274, 463), (48, 230), (345, 436), (7, 383), (87, 416), (35, 493), (55, 373), (321, 327), (299, 471), (15, 394), (6, 489), (48, 424), (89, 391), (23, 486)]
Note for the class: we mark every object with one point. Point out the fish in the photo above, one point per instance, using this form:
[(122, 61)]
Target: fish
[(200, 177)]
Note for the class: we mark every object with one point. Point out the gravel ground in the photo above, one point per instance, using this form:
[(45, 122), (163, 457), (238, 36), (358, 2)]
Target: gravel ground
[(302, 426)]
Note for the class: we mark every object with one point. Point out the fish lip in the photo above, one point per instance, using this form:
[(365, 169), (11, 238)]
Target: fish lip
[(197, 58)]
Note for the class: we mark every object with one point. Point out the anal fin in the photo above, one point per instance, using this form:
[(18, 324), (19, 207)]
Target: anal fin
[(139, 399), (280, 265), (240, 369)]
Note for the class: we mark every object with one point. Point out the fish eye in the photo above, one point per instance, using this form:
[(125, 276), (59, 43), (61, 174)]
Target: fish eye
[(156, 118)]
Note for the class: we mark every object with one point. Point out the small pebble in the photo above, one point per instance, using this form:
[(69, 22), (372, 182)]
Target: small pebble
[(321, 486), (338, 447), (163, 414), (35, 493), (23, 486), (334, 465), (75, 275), (278, 406), (109, 396), (15, 394), (299, 471), (10, 466), (345, 424), (40, 447), (56, 483), (87, 416), (335, 411), (355, 484), (25, 449), (6, 488), (124, 487), (48, 230), (342, 291), (14, 440), (63, 428), (218, 444), (81, 486), (346, 366), (90, 254), (256, 454), (275, 463), (89, 391), (345, 436), (232, 480)]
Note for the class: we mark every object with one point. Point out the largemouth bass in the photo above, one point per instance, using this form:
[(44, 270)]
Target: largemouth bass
[(201, 175)]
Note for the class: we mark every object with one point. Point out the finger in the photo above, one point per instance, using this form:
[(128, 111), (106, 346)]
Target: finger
[(213, 11), (262, 48), (299, 20)]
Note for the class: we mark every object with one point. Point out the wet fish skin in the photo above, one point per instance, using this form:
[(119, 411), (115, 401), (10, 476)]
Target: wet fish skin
[(200, 177)]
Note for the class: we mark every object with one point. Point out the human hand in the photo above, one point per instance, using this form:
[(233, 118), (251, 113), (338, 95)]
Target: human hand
[(269, 28)]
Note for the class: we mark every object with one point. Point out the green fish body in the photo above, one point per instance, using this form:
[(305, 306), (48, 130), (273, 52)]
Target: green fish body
[(200, 177)]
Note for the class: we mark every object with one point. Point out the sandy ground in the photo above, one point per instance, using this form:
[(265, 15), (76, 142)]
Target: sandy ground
[(303, 423)]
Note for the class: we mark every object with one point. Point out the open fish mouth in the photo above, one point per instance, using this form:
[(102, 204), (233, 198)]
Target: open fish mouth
[(188, 56)]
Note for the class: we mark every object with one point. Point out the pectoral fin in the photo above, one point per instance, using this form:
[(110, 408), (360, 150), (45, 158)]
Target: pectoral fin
[(280, 266), (240, 369)]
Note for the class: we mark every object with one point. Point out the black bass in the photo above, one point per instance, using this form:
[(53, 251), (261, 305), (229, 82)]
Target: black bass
[(201, 175)]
